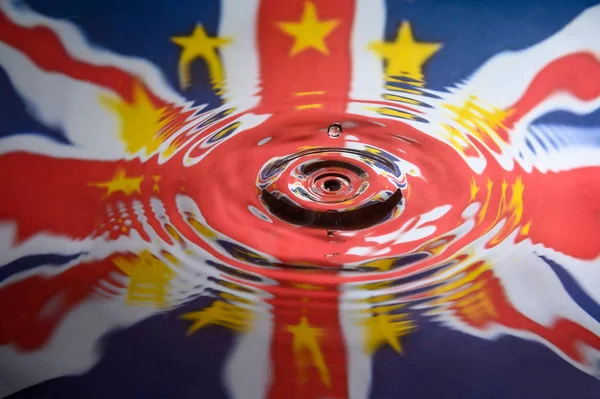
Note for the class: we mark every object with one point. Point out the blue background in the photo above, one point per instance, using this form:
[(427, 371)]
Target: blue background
[(154, 359)]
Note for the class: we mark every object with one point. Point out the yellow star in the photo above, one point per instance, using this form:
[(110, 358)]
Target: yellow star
[(200, 45), (150, 278), (482, 213), (456, 138), (201, 229), (480, 119), (404, 56), (391, 112), (308, 106), (141, 121), (381, 264), (309, 287), (120, 182), (309, 93), (155, 187), (220, 313), (309, 32), (474, 189), (512, 210), (384, 327), (525, 229), (307, 338)]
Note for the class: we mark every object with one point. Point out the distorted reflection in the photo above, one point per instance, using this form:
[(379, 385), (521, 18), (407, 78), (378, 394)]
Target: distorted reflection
[(318, 206)]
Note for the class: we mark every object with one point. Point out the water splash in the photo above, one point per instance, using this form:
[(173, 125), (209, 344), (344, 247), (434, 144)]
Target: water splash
[(310, 210)]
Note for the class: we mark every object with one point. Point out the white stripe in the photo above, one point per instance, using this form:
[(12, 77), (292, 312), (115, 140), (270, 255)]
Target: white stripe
[(502, 80), (358, 361), (76, 45), (248, 374), (585, 273), (536, 292), (248, 121), (72, 349), (42, 145), (66, 104), (240, 57), (367, 69), (45, 243), (569, 156), (533, 289)]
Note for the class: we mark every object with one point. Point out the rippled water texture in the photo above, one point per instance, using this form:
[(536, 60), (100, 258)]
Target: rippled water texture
[(281, 205)]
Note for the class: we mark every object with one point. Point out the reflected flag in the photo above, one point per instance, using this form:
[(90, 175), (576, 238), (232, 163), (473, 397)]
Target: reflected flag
[(101, 207)]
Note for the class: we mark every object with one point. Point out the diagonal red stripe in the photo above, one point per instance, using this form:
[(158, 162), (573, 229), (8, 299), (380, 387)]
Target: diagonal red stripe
[(45, 49), (577, 74)]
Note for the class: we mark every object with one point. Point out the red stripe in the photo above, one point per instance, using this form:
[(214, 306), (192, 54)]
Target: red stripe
[(295, 372), (44, 48), (33, 308), (283, 75), (564, 209), (70, 205), (577, 74), (564, 334)]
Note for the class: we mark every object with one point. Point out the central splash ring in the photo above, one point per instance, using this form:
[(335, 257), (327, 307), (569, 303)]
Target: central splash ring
[(332, 188), (331, 181)]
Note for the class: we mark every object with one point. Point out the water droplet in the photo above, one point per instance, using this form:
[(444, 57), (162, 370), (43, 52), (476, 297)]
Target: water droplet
[(334, 130), (264, 141)]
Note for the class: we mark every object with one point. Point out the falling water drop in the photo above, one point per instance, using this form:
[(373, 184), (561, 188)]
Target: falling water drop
[(334, 130)]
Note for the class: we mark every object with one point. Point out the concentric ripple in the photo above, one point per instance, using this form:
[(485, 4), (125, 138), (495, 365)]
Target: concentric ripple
[(329, 214)]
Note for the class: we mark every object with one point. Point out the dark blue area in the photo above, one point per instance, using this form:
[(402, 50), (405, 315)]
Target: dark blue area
[(567, 129), (14, 115), (152, 359), (574, 289), (438, 362), (473, 31), (569, 119), (143, 29), (33, 261)]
